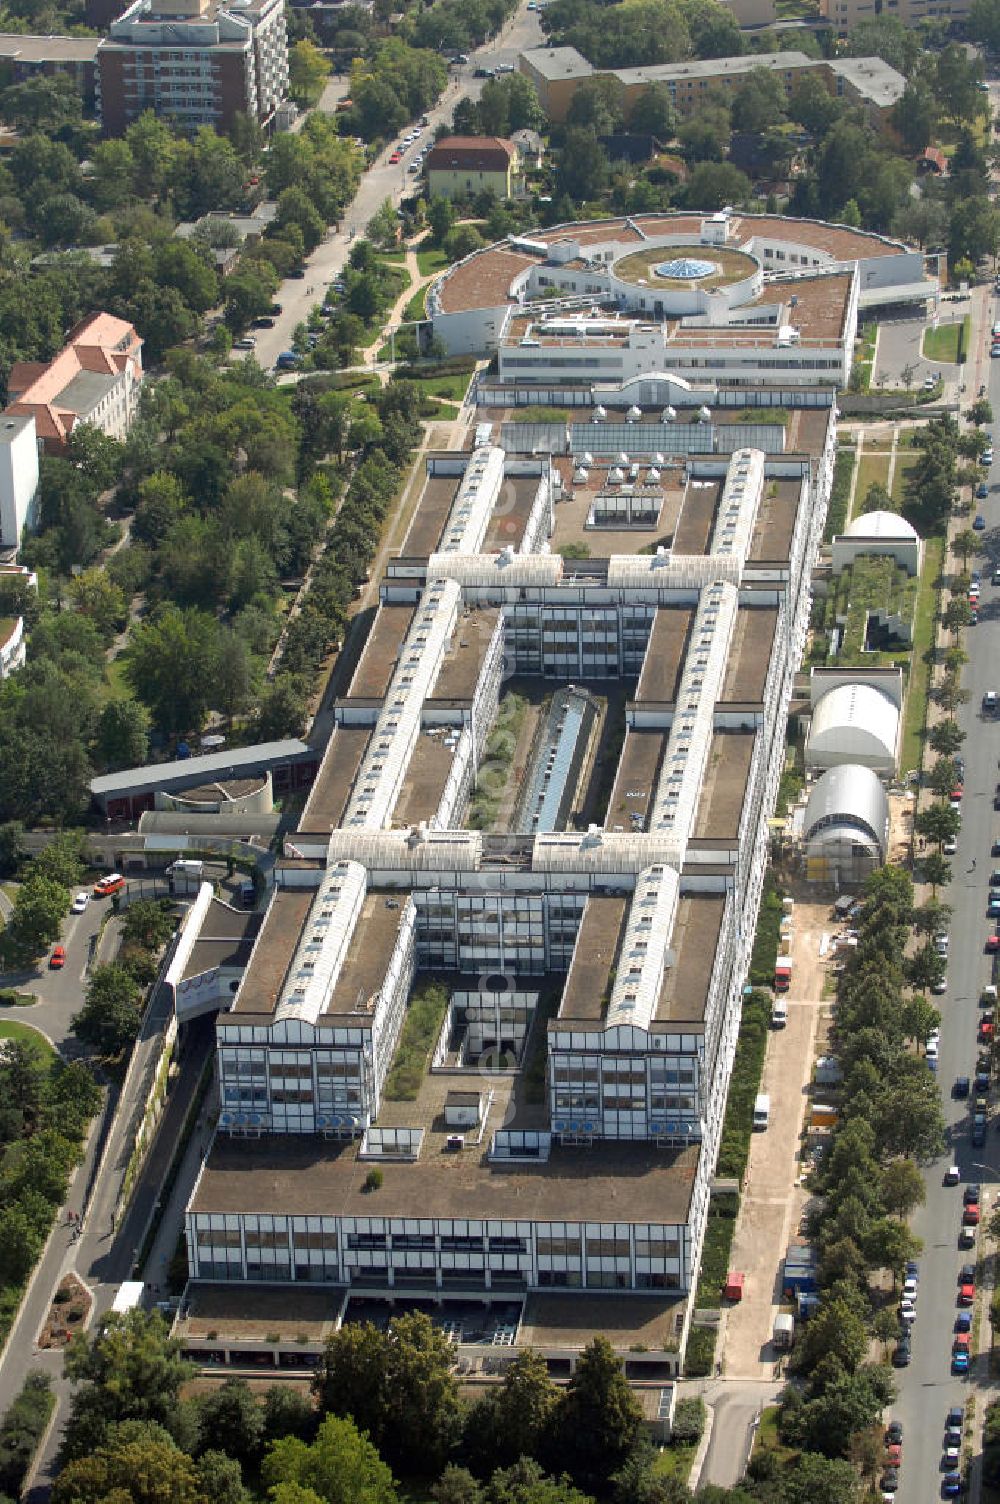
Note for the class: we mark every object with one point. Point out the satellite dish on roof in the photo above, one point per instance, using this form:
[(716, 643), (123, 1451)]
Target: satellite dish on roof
[(615, 476), (633, 415), (703, 414), (669, 414), (622, 458), (586, 458), (657, 458), (654, 474), (599, 413)]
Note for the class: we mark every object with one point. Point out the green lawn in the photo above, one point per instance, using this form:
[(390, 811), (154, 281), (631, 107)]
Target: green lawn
[(899, 478), (453, 388), (675, 1461), (416, 308), (924, 622), (942, 343), (10, 1029), (431, 260), (767, 1439), (873, 470)]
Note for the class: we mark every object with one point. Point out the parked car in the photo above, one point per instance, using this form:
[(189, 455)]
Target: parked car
[(80, 902), (901, 1354), (960, 1090), (982, 490), (952, 1175), (57, 960), (951, 1484), (960, 1363), (970, 1216), (963, 1321), (112, 883), (979, 523)]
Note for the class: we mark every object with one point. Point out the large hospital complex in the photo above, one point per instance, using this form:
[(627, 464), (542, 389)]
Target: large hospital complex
[(637, 569)]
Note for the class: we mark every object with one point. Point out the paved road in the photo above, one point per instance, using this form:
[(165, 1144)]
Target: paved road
[(381, 181), (734, 1409), (927, 1389)]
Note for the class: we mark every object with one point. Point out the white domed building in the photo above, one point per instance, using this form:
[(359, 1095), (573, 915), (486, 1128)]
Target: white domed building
[(845, 827), (883, 534), (856, 718)]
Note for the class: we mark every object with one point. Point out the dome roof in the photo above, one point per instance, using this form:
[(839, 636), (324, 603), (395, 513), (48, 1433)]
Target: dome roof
[(854, 723), (881, 525), (847, 800)]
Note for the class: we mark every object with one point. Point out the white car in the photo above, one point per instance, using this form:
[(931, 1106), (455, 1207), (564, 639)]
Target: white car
[(941, 985), (910, 1289), (941, 944), (907, 1311), (950, 847), (79, 903), (952, 1175), (931, 1050)]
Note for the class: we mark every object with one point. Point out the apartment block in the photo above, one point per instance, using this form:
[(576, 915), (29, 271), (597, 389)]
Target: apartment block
[(196, 62)]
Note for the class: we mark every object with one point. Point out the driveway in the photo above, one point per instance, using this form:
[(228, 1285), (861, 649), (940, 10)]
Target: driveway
[(734, 1408), (381, 181), (772, 1200)]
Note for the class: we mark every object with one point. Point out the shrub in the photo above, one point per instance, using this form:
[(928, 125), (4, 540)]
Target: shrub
[(689, 1417), (373, 1180), (699, 1355)]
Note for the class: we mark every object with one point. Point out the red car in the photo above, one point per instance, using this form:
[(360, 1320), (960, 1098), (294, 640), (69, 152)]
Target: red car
[(966, 1295), (57, 960), (957, 792), (992, 943), (396, 157), (961, 1343), (894, 1454), (985, 1030), (970, 1215)]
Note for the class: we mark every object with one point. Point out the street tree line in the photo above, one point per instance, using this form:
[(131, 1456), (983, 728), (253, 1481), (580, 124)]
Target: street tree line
[(867, 1182)]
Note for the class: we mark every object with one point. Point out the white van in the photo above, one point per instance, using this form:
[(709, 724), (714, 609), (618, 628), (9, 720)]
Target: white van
[(186, 868), (779, 1013), (761, 1112)]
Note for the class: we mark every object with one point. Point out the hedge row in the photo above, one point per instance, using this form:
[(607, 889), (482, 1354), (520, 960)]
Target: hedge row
[(748, 1066), (840, 492)]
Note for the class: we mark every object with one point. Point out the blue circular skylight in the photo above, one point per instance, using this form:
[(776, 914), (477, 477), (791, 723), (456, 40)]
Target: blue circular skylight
[(686, 269)]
